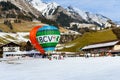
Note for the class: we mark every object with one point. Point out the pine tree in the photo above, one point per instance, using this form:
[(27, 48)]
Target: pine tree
[(28, 46)]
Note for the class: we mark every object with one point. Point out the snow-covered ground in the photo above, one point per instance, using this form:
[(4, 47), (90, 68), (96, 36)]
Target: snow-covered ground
[(99, 68)]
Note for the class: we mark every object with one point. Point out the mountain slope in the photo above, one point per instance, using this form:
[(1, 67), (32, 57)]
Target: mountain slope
[(23, 26), (25, 6), (12, 37), (88, 38), (18, 9)]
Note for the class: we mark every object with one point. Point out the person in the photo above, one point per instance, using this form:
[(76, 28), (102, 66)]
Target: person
[(59, 57), (86, 55), (49, 57)]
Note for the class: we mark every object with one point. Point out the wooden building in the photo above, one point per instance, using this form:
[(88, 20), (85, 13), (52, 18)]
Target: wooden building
[(13, 50), (9, 47), (105, 48)]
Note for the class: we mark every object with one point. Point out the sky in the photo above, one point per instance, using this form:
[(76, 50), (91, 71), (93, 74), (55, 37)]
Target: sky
[(108, 8)]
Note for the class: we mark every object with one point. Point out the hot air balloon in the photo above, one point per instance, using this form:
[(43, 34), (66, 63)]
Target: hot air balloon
[(45, 38)]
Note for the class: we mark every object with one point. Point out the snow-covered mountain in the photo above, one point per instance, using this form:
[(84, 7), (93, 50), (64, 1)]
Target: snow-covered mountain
[(47, 9), (89, 17), (54, 11)]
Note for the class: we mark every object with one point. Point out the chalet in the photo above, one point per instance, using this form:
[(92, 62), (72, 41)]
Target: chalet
[(104, 48), (9, 47), (12, 50)]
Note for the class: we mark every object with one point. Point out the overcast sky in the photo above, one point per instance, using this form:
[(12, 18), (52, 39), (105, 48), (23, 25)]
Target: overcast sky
[(108, 8)]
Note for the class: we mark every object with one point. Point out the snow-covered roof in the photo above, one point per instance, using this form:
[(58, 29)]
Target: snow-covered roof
[(100, 45)]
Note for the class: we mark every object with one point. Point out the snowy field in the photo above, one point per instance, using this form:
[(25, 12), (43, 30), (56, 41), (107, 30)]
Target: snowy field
[(100, 68)]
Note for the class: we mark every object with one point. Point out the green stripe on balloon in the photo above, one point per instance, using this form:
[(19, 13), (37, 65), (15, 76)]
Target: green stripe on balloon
[(48, 45), (48, 32)]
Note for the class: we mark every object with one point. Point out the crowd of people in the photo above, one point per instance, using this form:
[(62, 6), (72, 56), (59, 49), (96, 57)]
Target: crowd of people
[(56, 57)]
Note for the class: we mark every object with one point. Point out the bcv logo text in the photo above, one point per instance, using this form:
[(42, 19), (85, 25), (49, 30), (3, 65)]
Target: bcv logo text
[(48, 39)]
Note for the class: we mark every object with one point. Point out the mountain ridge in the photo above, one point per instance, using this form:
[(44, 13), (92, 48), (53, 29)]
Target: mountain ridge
[(52, 11), (72, 15)]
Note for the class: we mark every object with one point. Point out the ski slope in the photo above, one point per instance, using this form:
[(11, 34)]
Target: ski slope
[(100, 68)]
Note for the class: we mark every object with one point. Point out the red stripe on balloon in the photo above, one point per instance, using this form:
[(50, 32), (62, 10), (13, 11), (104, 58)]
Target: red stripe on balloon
[(34, 40)]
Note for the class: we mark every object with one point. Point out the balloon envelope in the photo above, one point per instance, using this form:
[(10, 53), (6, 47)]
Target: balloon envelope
[(48, 37), (45, 38)]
